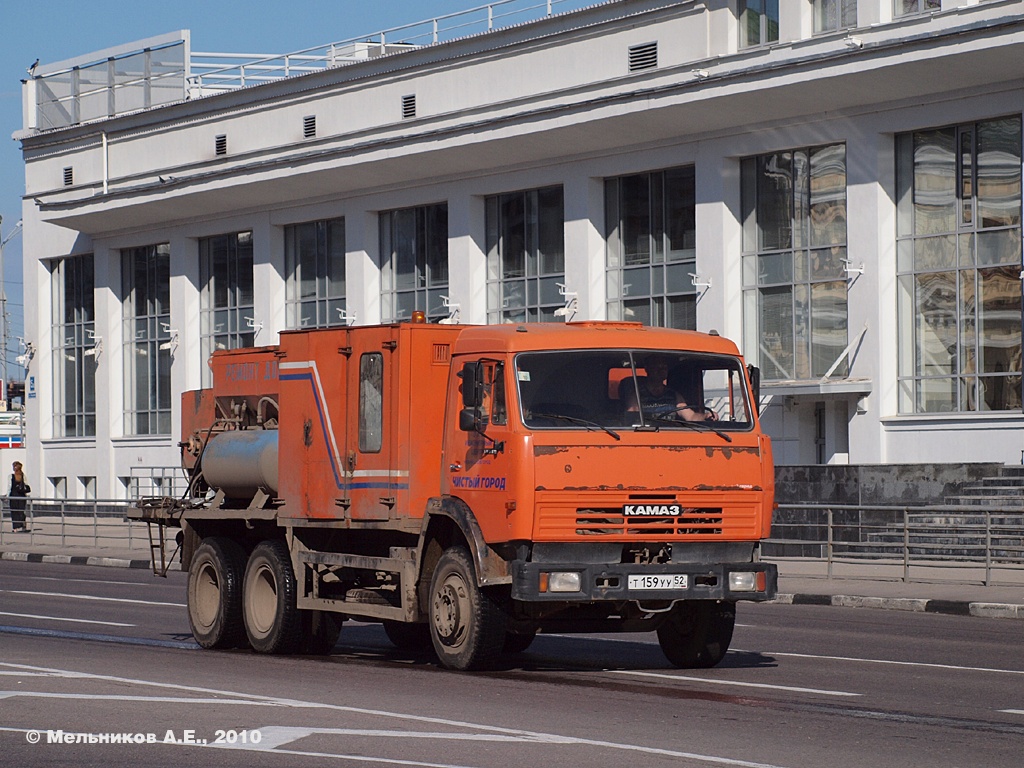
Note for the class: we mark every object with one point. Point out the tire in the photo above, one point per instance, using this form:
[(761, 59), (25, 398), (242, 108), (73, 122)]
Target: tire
[(214, 594), (320, 630), (467, 626), (272, 621), (408, 637), (697, 633), (517, 642)]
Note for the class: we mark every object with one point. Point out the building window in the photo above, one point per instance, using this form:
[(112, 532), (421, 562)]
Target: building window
[(759, 22), (911, 7), (58, 487), (959, 263), (314, 255), (75, 347), (226, 300), (414, 262), (146, 276), (834, 15), (525, 255), (651, 246), (794, 261), (88, 487)]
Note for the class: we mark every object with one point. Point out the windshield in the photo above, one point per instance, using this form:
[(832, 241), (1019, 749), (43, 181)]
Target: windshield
[(640, 389)]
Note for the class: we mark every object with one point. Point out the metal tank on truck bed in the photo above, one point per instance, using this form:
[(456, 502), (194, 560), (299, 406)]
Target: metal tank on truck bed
[(471, 486)]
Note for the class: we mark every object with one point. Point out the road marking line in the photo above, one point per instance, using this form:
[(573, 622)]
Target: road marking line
[(886, 661), (298, 704), (114, 697), (277, 735), (66, 634), (90, 597), (1012, 711), (84, 581), (738, 683), (61, 618)]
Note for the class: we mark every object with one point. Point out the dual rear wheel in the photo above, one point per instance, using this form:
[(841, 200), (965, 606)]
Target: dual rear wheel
[(234, 601)]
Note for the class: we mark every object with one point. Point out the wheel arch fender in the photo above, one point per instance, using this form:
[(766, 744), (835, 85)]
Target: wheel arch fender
[(450, 521)]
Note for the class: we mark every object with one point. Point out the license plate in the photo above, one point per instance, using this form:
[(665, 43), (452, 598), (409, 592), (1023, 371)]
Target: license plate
[(657, 581)]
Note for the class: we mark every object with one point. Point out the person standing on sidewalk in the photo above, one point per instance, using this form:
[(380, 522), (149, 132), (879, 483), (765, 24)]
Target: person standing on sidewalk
[(19, 490)]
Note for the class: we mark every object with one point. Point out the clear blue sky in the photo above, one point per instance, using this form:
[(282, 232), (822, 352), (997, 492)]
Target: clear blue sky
[(55, 30)]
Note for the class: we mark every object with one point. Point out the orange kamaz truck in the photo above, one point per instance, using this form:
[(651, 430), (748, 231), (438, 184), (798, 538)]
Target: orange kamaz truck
[(471, 486)]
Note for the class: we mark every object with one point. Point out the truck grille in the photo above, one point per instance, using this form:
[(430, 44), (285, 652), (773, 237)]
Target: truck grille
[(567, 516), (605, 522)]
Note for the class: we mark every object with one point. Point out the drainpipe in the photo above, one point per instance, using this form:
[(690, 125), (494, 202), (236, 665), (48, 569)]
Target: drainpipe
[(106, 163)]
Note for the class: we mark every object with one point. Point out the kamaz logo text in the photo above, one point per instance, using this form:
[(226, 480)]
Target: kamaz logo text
[(636, 510)]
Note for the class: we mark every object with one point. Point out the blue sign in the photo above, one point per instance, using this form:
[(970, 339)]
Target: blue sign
[(31, 387)]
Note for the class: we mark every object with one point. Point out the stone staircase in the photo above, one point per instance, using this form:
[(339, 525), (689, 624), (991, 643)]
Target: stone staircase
[(1005, 490), (964, 534)]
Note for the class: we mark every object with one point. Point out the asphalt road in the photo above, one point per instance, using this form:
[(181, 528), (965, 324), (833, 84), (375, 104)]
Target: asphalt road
[(91, 658)]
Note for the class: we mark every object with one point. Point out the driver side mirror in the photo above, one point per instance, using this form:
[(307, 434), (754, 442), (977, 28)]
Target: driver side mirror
[(755, 384), (469, 419), (472, 375)]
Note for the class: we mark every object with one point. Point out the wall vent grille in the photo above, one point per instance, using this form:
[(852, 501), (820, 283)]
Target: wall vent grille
[(309, 126), (643, 56), (220, 144), (408, 106)]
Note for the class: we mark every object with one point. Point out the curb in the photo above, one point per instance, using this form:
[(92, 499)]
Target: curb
[(109, 562), (915, 605)]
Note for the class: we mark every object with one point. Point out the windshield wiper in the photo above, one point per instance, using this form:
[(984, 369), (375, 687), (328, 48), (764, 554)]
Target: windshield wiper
[(590, 425), (698, 425)]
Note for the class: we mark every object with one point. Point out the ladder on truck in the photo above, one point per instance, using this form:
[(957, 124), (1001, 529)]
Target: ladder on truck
[(157, 514)]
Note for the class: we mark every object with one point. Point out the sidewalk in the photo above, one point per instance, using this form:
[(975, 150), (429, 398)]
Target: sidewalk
[(948, 588)]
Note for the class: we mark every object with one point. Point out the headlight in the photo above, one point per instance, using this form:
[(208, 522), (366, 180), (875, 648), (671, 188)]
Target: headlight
[(561, 581), (745, 581)]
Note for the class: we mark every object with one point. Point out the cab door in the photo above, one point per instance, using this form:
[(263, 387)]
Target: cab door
[(479, 446)]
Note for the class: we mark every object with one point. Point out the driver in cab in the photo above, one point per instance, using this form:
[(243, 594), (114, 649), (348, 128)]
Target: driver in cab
[(657, 398)]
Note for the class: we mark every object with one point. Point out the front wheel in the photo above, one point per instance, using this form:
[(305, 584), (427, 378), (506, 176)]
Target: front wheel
[(467, 626), (320, 631), (697, 633), (517, 642), (272, 621)]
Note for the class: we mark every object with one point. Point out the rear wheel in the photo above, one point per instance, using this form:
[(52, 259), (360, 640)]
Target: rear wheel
[(272, 621), (697, 633), (215, 593), (408, 637), (467, 626)]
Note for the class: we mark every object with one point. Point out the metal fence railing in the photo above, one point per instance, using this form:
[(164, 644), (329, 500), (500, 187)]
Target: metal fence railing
[(960, 544), (67, 525), (964, 543)]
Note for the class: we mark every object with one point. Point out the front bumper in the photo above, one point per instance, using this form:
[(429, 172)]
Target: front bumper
[(609, 581)]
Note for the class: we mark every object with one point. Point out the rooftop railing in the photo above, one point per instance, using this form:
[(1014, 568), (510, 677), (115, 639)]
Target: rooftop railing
[(164, 69), (213, 72)]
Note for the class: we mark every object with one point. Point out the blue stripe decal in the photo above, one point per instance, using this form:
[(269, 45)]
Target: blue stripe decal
[(339, 482), (323, 424)]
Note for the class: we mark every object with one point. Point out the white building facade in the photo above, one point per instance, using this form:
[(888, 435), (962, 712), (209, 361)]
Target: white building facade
[(834, 184)]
